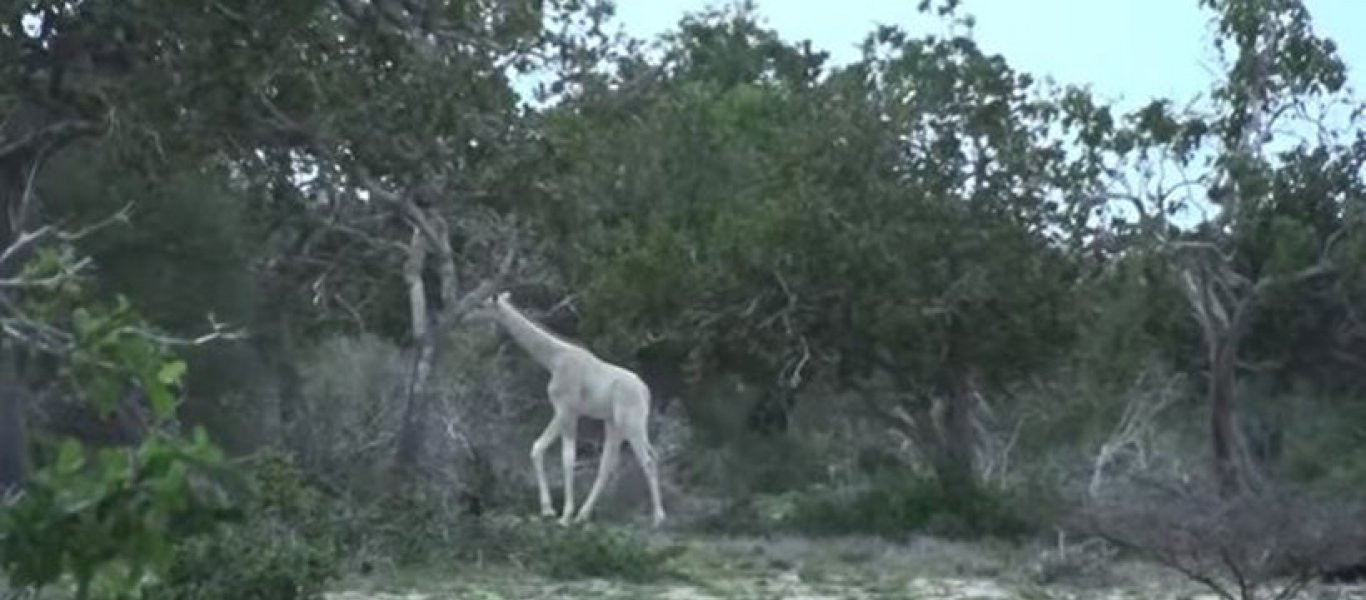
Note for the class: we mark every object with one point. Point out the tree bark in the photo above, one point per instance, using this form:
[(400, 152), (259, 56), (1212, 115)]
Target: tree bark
[(13, 442), (413, 431), (1222, 331), (1221, 394), (26, 139), (941, 426), (13, 438), (431, 236), (1222, 335), (956, 467), (279, 349)]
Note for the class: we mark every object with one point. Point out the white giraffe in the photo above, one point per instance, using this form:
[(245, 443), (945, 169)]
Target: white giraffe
[(581, 385)]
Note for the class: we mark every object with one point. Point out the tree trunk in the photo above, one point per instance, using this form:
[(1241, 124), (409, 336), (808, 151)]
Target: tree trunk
[(940, 423), (771, 414), (956, 456), (1232, 465), (13, 442), (1222, 422), (412, 433), (17, 207), (431, 235), (288, 386)]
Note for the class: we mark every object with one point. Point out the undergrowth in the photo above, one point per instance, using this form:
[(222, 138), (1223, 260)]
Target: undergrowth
[(284, 548), (888, 506), (912, 504), (576, 552)]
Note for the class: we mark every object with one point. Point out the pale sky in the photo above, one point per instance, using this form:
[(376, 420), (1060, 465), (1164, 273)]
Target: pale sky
[(1126, 49)]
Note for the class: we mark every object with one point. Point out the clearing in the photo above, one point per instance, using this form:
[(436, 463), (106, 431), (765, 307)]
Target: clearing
[(790, 567)]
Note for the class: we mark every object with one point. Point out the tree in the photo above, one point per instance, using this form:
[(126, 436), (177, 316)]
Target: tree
[(365, 140), (1277, 261), (896, 217), (109, 522), (439, 108)]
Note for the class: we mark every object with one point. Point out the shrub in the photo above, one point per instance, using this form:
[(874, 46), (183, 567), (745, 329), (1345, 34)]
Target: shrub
[(894, 506), (285, 549), (265, 559), (1272, 542), (580, 551), (112, 522), (410, 526), (346, 408)]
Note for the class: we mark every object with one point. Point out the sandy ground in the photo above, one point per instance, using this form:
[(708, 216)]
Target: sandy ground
[(805, 569)]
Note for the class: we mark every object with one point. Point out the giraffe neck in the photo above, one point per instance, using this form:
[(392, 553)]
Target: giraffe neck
[(542, 345)]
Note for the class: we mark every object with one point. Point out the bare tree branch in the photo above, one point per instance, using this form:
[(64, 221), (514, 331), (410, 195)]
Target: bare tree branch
[(25, 239), (490, 285), (54, 134), (120, 217)]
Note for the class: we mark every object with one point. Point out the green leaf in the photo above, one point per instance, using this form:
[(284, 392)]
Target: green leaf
[(163, 402), (115, 463), (82, 321), (172, 372), (70, 456)]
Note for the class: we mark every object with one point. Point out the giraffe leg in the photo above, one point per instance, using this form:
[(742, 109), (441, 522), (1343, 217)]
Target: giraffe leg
[(611, 447), (538, 450), (568, 446), (639, 439)]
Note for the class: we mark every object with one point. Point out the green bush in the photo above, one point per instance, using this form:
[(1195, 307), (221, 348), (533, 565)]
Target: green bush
[(1325, 443), (410, 526), (580, 551), (265, 559), (107, 521), (285, 549), (895, 506), (111, 523), (594, 551)]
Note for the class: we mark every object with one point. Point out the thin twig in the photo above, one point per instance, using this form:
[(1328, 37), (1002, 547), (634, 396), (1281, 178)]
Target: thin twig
[(122, 216), (45, 282)]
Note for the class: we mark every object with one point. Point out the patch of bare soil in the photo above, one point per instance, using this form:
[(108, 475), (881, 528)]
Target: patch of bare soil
[(798, 568)]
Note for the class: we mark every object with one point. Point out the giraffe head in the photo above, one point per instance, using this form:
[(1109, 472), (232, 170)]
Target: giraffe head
[(486, 309)]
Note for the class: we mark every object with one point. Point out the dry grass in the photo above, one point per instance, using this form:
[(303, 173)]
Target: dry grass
[(804, 569)]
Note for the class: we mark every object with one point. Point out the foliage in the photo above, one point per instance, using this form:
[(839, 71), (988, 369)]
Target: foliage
[(259, 560), (111, 521), (349, 386), (1270, 267), (1251, 546), (286, 549), (819, 219), (896, 505), (925, 243), (412, 525), (586, 551), (106, 347), (1325, 439)]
